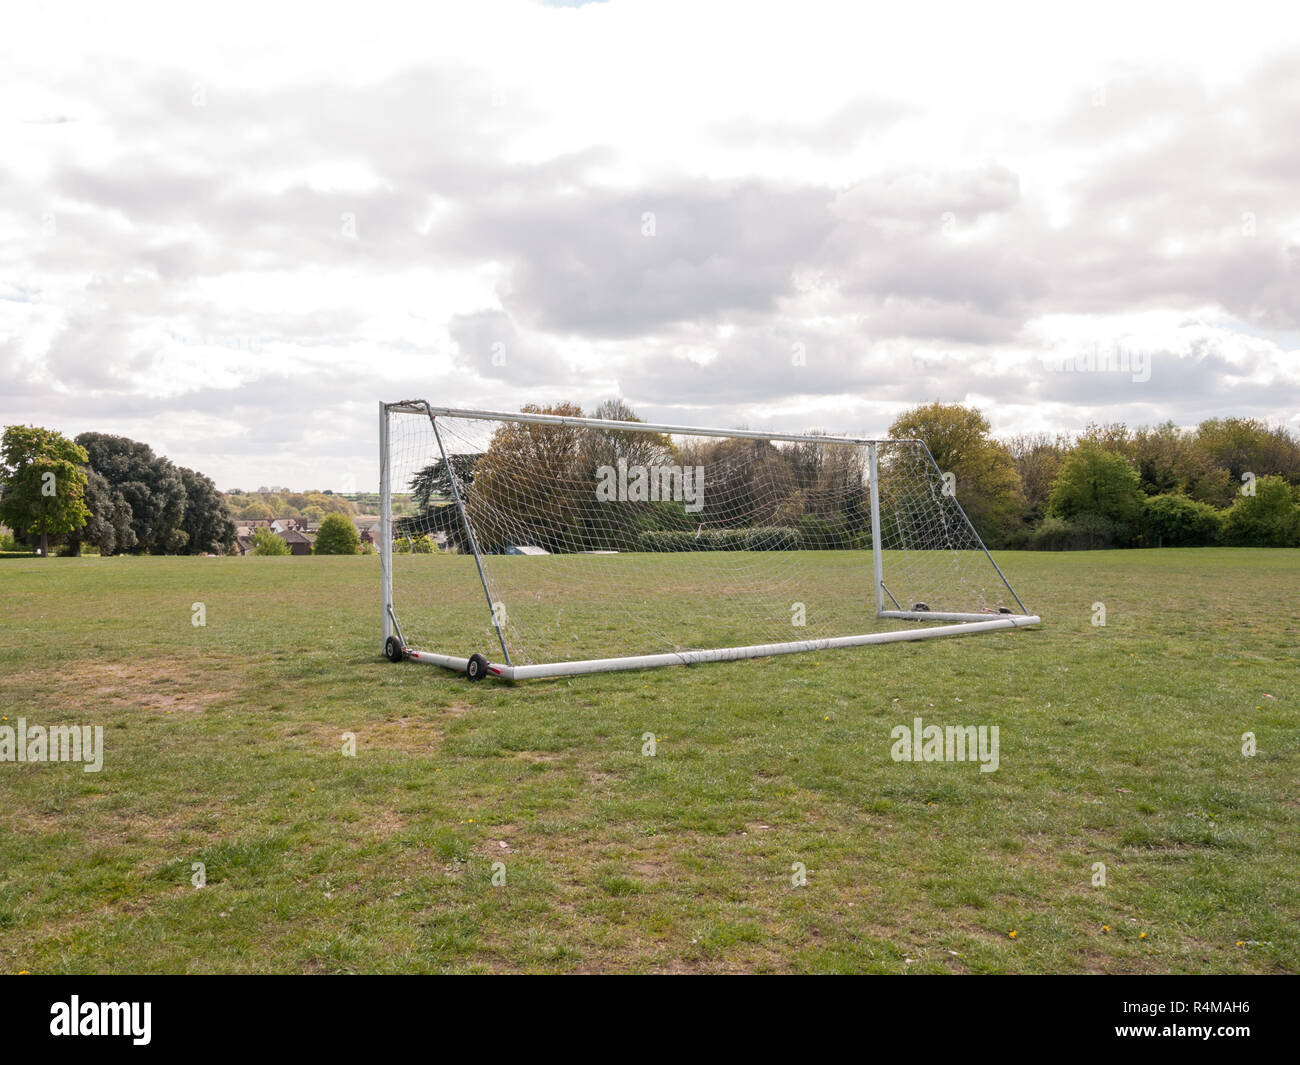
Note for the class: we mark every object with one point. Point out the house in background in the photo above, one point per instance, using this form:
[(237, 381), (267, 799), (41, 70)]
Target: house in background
[(367, 528), (300, 543), (293, 531)]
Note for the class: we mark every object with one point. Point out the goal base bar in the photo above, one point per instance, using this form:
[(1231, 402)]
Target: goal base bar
[(940, 615), (731, 654)]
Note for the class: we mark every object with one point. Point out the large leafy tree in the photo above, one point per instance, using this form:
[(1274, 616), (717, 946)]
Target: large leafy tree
[(206, 521), (109, 526), (987, 484), (529, 484), (152, 487), (433, 483), (1038, 458), (1094, 481), (1168, 459), (44, 484), (337, 536)]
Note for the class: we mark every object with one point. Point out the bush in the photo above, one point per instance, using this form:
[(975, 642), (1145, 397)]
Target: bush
[(1173, 520), (411, 545), (820, 533), (1054, 534), (774, 538), (1085, 533), (265, 542), (760, 538), (1269, 518), (665, 540), (337, 536)]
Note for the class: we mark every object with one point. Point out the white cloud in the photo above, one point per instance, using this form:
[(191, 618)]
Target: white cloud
[(230, 230)]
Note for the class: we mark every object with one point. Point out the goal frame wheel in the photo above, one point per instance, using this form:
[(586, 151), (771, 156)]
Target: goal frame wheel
[(393, 649), (476, 668)]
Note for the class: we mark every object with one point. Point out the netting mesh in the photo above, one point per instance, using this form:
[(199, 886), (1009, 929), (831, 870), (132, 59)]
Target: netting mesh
[(601, 543)]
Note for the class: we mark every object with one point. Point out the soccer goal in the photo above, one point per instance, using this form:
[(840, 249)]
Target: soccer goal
[(521, 545)]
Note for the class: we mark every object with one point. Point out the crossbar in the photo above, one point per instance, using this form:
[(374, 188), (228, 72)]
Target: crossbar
[(417, 406)]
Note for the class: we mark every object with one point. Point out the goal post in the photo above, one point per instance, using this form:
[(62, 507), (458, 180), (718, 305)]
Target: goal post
[(539, 544)]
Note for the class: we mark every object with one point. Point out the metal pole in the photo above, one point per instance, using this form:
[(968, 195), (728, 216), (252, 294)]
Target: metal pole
[(728, 654), (385, 525), (877, 563)]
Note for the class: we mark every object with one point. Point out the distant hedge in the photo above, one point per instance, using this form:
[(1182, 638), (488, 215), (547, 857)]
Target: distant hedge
[(759, 538)]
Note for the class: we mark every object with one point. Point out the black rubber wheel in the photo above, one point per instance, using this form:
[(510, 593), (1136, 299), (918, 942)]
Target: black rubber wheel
[(920, 606), (1004, 610), (476, 668), (393, 649)]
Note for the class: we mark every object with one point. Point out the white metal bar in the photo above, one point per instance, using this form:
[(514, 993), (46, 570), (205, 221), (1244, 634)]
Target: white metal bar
[(385, 525), (725, 654), (429, 658), (941, 615), (877, 564), (419, 406)]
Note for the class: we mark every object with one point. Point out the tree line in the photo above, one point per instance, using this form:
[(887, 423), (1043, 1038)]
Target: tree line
[(1230, 481), (109, 492)]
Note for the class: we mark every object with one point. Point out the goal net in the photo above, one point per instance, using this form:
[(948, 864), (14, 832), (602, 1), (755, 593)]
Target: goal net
[(542, 544)]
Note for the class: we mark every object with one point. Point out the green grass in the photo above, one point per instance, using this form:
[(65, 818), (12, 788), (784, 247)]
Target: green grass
[(1119, 745)]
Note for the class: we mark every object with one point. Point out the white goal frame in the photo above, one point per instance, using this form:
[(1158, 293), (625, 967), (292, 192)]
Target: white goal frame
[(477, 665)]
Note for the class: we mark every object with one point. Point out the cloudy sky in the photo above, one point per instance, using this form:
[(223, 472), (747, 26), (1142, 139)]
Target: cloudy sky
[(231, 229)]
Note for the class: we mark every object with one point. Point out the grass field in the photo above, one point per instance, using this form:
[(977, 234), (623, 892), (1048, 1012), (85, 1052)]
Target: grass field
[(1119, 744)]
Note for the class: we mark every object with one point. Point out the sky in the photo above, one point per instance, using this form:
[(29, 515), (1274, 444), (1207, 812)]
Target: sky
[(231, 230)]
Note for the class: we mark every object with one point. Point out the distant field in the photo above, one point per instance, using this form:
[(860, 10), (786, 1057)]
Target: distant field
[(1119, 745)]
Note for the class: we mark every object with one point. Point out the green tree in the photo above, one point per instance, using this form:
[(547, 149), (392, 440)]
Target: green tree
[(206, 522), (1269, 518), (265, 542), (108, 528), (1247, 445), (986, 483), (432, 484), (337, 536), (149, 483), (1173, 520), (1098, 482), (526, 485), (43, 483), (1038, 458)]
